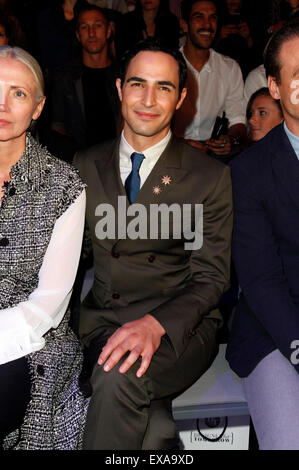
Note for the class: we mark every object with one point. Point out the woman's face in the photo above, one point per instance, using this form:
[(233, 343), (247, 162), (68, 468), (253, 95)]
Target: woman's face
[(3, 37), (263, 116), (18, 99)]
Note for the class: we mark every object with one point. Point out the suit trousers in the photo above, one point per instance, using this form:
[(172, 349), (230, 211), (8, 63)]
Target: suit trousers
[(130, 413)]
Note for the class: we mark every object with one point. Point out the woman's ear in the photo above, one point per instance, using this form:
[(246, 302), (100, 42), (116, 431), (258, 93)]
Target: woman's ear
[(39, 108)]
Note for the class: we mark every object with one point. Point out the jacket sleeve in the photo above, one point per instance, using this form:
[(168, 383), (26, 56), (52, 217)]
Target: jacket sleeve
[(259, 264)]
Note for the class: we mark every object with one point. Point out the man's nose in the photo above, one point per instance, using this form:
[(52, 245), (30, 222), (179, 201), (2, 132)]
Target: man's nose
[(149, 96), (92, 31), (207, 22)]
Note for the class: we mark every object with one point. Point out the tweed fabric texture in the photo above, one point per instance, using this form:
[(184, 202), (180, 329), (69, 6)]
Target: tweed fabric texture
[(39, 192), (41, 188), (56, 414)]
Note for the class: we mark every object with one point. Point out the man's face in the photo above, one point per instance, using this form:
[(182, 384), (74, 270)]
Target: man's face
[(288, 89), (233, 6), (93, 31), (202, 24), (293, 3), (150, 95)]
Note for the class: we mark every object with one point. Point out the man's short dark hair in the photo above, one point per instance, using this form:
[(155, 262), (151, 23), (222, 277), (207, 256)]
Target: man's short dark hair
[(186, 7), (90, 7), (153, 45), (273, 48)]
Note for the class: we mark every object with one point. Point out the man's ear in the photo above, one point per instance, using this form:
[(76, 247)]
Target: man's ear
[(109, 30), (184, 26), (78, 36), (118, 86), (273, 88), (181, 99)]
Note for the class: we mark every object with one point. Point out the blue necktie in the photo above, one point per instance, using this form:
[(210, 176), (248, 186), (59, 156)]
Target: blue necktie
[(132, 183)]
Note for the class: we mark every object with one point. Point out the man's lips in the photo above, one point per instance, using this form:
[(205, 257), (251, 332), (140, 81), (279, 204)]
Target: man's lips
[(146, 115), (205, 33)]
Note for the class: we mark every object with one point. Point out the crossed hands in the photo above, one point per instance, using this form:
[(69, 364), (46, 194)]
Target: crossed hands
[(141, 337)]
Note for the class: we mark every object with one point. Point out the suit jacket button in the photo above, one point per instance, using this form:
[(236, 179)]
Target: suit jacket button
[(40, 370), (115, 254), (151, 258), (4, 241), (115, 295)]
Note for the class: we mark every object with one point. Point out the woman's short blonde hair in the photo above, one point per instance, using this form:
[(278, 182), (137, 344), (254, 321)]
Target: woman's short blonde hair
[(23, 56)]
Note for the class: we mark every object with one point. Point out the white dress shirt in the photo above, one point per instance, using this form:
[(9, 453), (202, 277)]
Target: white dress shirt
[(216, 88), (22, 327), (151, 154), (255, 80)]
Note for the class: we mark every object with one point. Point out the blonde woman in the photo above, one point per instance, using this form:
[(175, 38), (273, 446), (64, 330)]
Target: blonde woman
[(41, 225)]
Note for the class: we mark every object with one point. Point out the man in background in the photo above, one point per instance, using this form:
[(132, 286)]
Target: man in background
[(215, 85), (84, 101)]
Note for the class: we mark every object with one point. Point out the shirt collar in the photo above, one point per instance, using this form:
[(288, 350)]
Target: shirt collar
[(32, 166), (294, 139), (151, 154), (207, 66)]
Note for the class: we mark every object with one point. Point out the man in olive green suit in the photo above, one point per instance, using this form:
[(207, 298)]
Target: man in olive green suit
[(150, 320)]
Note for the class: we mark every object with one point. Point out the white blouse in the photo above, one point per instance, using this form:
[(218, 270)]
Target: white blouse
[(22, 327)]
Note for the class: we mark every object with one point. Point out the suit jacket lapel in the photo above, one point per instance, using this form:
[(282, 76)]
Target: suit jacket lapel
[(108, 171), (80, 95), (154, 190), (169, 164)]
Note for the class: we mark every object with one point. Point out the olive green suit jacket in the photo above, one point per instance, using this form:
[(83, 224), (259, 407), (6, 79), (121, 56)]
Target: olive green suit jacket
[(157, 276)]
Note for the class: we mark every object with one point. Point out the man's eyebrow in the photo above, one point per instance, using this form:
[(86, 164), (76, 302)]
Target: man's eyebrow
[(167, 83), (159, 82), (136, 79)]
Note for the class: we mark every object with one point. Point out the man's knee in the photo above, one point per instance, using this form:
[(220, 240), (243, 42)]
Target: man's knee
[(114, 386)]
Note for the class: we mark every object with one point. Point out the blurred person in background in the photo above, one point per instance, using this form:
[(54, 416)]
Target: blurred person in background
[(236, 37), (150, 18)]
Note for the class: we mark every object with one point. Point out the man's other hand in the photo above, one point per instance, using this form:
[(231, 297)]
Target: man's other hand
[(221, 146), (141, 337)]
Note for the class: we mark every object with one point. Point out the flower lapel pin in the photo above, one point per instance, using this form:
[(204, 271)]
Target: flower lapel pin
[(157, 190), (166, 180)]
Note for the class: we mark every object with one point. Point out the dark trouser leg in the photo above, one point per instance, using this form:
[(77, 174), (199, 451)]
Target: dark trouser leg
[(14, 395), (161, 429), (124, 410)]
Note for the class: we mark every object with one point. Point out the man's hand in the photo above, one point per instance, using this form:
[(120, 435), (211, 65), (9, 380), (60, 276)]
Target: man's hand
[(197, 144), (221, 146), (141, 337), (227, 30)]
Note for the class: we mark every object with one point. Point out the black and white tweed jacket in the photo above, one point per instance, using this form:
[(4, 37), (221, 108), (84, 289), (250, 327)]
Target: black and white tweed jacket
[(42, 187)]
